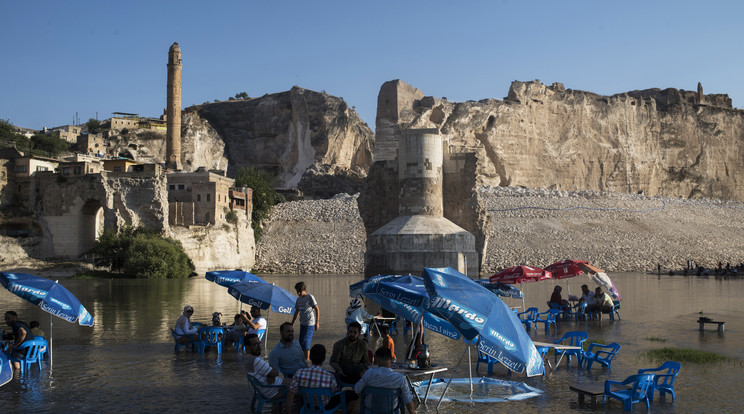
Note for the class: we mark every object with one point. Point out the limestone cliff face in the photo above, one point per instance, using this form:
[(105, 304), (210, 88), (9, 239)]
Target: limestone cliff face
[(201, 146), (287, 133), (669, 143), (218, 247)]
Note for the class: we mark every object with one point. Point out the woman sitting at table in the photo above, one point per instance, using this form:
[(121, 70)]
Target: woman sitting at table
[(556, 301), (184, 329)]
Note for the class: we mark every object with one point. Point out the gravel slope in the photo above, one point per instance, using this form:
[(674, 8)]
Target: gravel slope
[(617, 232)]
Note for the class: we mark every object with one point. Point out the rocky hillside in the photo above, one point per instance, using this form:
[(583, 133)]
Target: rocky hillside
[(617, 232), (660, 142), (287, 133)]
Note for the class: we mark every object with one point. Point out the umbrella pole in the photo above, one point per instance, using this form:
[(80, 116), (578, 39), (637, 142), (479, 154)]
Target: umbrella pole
[(470, 372), (51, 338), (452, 376)]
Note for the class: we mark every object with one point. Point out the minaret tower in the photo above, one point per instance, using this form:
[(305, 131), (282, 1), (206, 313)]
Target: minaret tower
[(173, 111)]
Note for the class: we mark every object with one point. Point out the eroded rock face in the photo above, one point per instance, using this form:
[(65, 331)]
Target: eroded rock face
[(287, 133), (669, 143)]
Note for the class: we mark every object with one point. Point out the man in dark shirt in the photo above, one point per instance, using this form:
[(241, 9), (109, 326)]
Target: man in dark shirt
[(21, 334), (350, 355)]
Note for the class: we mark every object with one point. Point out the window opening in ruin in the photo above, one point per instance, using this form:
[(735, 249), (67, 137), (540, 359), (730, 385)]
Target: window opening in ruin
[(208, 197), (181, 186), (172, 187), (198, 197)]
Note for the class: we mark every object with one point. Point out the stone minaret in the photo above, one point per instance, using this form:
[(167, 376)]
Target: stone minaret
[(173, 111)]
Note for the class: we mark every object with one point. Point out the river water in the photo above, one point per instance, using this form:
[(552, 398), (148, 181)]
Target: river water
[(127, 363)]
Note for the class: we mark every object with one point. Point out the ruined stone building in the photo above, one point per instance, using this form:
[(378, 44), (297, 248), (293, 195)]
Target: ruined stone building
[(202, 198)]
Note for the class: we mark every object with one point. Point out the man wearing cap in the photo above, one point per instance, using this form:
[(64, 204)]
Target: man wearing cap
[(355, 313), (184, 329)]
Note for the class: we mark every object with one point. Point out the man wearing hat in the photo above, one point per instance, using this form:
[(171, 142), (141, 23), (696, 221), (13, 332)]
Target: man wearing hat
[(355, 313)]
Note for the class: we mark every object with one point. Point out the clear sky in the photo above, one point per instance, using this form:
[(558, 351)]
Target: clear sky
[(97, 57)]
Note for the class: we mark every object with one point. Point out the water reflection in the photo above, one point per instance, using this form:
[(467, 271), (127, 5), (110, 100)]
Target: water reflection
[(126, 362)]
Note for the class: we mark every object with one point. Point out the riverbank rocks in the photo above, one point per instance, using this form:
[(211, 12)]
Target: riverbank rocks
[(616, 232)]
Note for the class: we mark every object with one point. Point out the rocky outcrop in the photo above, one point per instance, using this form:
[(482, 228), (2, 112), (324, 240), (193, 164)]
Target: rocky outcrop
[(660, 142), (230, 246), (287, 133)]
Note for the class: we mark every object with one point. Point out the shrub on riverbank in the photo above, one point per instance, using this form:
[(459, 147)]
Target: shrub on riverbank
[(143, 253)]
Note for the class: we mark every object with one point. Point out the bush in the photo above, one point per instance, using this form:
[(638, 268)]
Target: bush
[(231, 216), (157, 258), (142, 253), (264, 194)]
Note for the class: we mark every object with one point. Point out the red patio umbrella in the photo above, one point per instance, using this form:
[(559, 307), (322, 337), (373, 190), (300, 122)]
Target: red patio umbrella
[(520, 274), (566, 268)]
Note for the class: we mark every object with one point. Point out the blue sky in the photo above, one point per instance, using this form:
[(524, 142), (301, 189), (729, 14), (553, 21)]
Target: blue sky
[(86, 57)]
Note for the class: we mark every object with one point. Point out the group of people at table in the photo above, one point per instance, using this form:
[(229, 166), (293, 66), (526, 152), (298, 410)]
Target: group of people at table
[(20, 333), (297, 363), (597, 301)]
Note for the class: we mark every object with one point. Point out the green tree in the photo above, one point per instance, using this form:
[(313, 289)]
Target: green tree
[(8, 134), (93, 126), (154, 257), (242, 95), (142, 253), (264, 194), (50, 145)]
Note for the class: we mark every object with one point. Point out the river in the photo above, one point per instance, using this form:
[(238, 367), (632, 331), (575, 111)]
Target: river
[(126, 362)]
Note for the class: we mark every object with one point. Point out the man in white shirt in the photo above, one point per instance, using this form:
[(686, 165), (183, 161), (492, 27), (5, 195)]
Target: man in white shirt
[(257, 324)]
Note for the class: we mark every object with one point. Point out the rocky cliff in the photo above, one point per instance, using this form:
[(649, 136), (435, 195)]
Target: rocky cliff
[(287, 133), (669, 142)]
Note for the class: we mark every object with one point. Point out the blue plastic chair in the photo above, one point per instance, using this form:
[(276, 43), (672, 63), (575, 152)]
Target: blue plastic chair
[(664, 378), (211, 336), (259, 400), (573, 338), (602, 354), (642, 386), (548, 318), (486, 360), (394, 325), (44, 351), (176, 337), (312, 400), (384, 400), (528, 317), (33, 350), (580, 312), (564, 311), (615, 310)]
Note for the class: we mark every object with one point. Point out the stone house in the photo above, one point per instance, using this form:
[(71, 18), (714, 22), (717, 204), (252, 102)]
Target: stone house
[(92, 144), (69, 133), (199, 198)]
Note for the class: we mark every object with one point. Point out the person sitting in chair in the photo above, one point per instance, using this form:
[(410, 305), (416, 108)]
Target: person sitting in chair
[(260, 369), (287, 355), (314, 377), (21, 334), (185, 331), (603, 303), (350, 355), (36, 329), (384, 377)]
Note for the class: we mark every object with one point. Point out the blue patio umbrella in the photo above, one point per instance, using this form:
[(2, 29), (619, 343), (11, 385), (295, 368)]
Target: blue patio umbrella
[(355, 289), (6, 370), (230, 277), (50, 296), (476, 312), (501, 289), (264, 296), (405, 297)]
